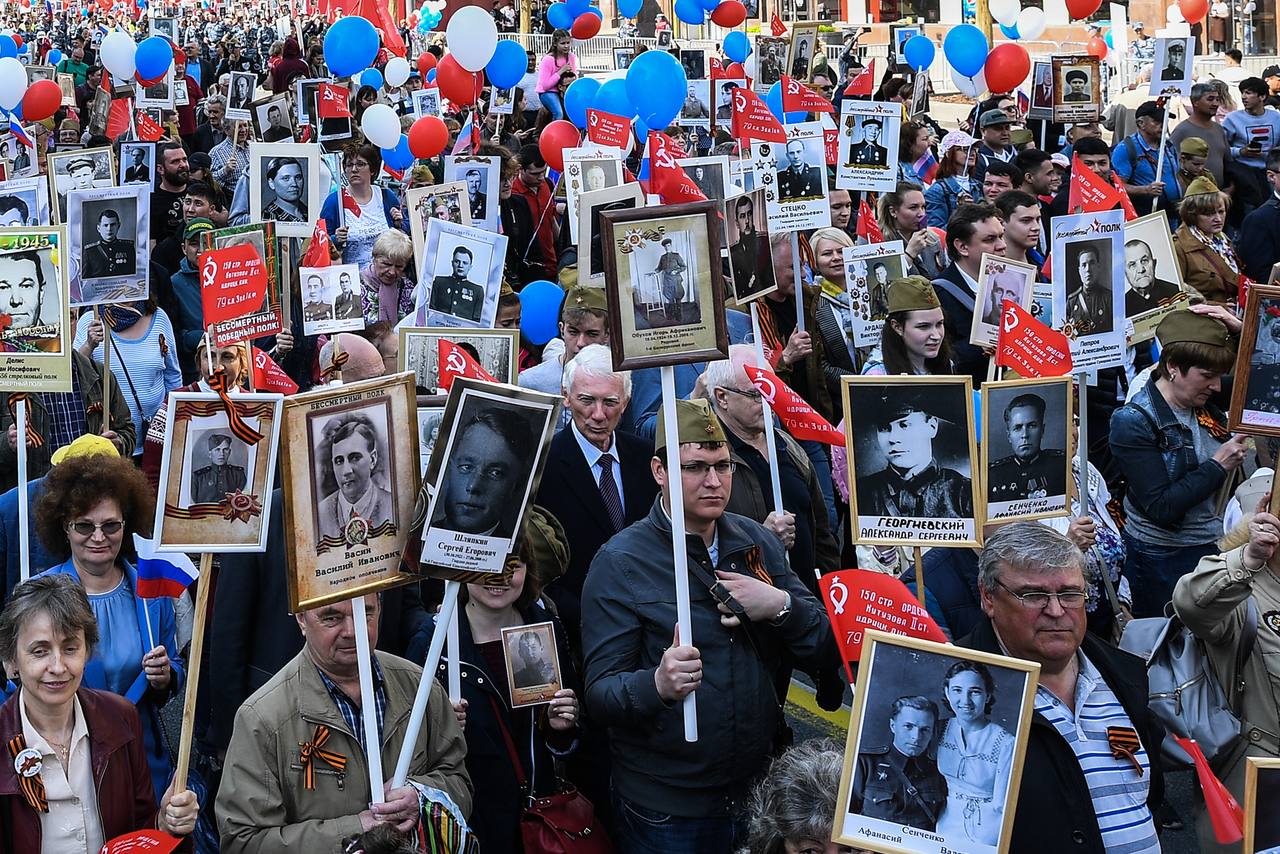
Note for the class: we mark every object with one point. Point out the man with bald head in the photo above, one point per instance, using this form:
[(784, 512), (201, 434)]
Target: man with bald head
[(1143, 290)]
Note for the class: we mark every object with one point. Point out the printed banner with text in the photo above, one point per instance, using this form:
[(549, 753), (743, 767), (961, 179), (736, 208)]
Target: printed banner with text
[(860, 599), (233, 292)]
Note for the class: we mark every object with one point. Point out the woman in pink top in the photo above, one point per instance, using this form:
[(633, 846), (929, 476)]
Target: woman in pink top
[(554, 64)]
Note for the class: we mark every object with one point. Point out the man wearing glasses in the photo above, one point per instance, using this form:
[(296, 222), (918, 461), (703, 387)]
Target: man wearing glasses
[(749, 610), (1100, 790)]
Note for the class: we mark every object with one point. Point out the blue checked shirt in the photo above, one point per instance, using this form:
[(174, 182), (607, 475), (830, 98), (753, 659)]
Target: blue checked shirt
[(66, 412), (351, 710)]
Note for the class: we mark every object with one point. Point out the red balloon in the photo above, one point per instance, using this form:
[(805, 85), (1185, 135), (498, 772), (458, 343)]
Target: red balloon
[(556, 137), (147, 84), (17, 40), (455, 82), (1080, 9), (1007, 66), (427, 137), (1097, 47), (1192, 10), (730, 13), (586, 26), (426, 62), (733, 70), (41, 101)]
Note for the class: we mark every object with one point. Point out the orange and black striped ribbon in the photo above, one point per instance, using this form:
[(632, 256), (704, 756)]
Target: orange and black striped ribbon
[(94, 408), (314, 749), (756, 565), (1125, 745), (338, 361), (1216, 428), (242, 431), (32, 787), (34, 439)]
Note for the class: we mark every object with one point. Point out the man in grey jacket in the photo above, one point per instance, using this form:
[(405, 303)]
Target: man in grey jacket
[(671, 795)]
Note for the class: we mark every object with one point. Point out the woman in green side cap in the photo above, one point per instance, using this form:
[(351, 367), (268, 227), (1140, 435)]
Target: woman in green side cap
[(913, 340)]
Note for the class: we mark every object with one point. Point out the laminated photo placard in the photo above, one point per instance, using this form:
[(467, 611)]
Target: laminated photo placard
[(868, 145), (794, 177), (1088, 263)]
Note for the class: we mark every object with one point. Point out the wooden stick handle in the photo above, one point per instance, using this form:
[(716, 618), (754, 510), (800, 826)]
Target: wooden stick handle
[(919, 556), (106, 370), (193, 673)]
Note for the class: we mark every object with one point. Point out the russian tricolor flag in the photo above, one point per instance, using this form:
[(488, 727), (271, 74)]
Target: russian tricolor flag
[(19, 134), (162, 575)]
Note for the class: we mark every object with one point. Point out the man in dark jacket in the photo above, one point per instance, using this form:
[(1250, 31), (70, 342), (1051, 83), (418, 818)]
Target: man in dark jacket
[(1077, 794), (1259, 243)]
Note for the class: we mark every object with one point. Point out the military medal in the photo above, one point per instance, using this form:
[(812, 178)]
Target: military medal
[(356, 532), (28, 762)]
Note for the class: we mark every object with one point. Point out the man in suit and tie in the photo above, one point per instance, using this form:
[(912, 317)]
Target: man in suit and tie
[(476, 197), (799, 180)]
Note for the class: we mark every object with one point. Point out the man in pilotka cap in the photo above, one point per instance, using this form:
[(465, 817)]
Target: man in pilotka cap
[(671, 795)]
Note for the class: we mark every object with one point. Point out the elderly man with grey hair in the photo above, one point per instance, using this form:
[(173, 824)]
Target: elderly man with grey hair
[(1091, 780)]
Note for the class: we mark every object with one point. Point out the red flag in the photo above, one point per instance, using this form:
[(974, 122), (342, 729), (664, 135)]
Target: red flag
[(867, 226), (148, 130), (1046, 269), (457, 362), (796, 97), (752, 119), (333, 102), (1029, 347), (860, 599), (1126, 203), (118, 118), (667, 179), (776, 25), (864, 83), (831, 142), (797, 416), (715, 67), (142, 842), (375, 12), (1224, 811), (1088, 192), (317, 254), (268, 376), (349, 202), (607, 129)]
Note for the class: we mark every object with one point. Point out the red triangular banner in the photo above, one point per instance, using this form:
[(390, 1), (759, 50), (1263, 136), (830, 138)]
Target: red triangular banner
[(752, 119), (776, 26), (864, 83), (666, 178), (797, 416), (1029, 347), (868, 227), (796, 97), (1089, 193), (317, 254)]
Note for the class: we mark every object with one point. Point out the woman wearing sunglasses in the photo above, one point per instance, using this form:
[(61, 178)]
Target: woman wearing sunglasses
[(89, 507)]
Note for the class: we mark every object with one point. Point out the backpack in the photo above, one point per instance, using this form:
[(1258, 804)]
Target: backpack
[(1184, 693)]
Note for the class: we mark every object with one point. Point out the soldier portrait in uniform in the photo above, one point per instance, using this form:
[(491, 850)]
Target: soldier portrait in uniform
[(773, 60), (912, 457), (453, 292), (868, 151), (532, 662), (1026, 433), (316, 306), (750, 258), (936, 744), (695, 109), (1174, 59), (1089, 286), (108, 231), (1152, 279), (800, 172), (347, 304), (331, 299), (356, 499), (224, 472), (461, 274), (999, 279), (694, 62), (272, 120), (723, 90), (79, 170), (480, 174)]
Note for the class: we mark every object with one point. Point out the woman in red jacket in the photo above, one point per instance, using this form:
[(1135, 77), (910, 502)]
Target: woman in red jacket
[(70, 745)]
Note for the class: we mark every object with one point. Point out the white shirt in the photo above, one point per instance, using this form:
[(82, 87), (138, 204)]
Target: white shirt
[(73, 824), (593, 455)]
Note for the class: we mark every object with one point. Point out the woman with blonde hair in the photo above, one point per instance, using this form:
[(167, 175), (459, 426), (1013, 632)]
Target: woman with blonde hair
[(901, 216), (1204, 252), (839, 357), (387, 294)]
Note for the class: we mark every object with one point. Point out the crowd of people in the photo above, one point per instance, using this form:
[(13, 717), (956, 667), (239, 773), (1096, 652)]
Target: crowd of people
[(279, 756)]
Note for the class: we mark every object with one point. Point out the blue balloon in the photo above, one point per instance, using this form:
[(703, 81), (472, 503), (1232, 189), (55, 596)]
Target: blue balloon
[(371, 77), (736, 46), (629, 8), (350, 46), (577, 7), (559, 16), (773, 101), (595, 10), (153, 57), (690, 11), (580, 95), (656, 87), (612, 98), (966, 49), (1107, 39), (540, 311), (431, 76), (400, 157), (1009, 32), (55, 56), (709, 6), (508, 65), (8, 47), (642, 131), (919, 52)]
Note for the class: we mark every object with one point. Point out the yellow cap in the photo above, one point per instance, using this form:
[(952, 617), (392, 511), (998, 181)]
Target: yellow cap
[(87, 445)]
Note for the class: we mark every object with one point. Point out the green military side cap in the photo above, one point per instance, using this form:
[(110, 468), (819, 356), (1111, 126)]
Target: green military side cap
[(196, 226), (914, 293), (1194, 146), (1202, 186), (550, 545), (1187, 327), (584, 297), (695, 422), (1021, 136)]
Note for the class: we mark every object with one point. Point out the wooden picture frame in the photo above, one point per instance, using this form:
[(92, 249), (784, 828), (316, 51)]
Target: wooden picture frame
[(498, 350), (944, 405), (1261, 788), (804, 47), (331, 559), (533, 663), (655, 328), (903, 676), (1255, 404), (1027, 477), (215, 489)]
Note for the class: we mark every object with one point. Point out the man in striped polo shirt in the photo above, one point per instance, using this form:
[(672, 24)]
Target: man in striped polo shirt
[(1091, 779)]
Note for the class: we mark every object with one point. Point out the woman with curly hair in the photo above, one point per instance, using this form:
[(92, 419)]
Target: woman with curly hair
[(89, 506), (793, 806)]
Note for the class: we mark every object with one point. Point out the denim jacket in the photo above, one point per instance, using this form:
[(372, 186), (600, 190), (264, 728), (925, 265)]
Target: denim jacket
[(1158, 457)]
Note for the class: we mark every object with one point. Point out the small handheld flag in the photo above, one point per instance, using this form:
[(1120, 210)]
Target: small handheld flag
[(162, 575)]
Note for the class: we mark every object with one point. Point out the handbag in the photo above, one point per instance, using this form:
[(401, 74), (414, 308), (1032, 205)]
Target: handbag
[(564, 823)]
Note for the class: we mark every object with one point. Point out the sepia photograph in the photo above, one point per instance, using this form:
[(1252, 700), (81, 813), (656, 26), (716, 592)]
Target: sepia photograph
[(481, 175), (592, 203), (284, 186), (999, 279), (1077, 91), (109, 231), (533, 663), (956, 721), (746, 231), (1025, 454), (495, 350)]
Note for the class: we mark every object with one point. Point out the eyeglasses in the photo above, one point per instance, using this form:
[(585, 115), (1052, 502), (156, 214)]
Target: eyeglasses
[(749, 395), (699, 470), (1038, 601), (88, 529)]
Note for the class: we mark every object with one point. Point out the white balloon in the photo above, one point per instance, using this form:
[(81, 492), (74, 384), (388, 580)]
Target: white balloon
[(381, 125), (473, 37), (1174, 15), (13, 82), (1031, 23), (117, 54), (396, 72), (1005, 11), (972, 86)]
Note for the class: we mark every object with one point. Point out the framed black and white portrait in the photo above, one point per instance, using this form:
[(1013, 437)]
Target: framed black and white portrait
[(587, 169), (1255, 395), (804, 42), (592, 203), (24, 202), (461, 276), (285, 186), (138, 163), (79, 170), (1088, 259), (240, 98), (794, 177), (1153, 284), (1261, 794), (664, 38), (746, 232), (1077, 88), (899, 35), (1041, 91), (331, 300), (109, 230), (771, 61), (867, 145), (20, 160), (446, 202), (999, 279), (1026, 448), (272, 119), (159, 94), (533, 663), (39, 72), (34, 346), (1171, 72), (215, 485), (482, 176), (167, 27), (622, 57), (694, 62), (664, 285), (710, 175), (304, 98), (497, 351), (696, 109), (868, 270), (426, 102), (912, 460), (961, 719), (722, 96), (430, 419)]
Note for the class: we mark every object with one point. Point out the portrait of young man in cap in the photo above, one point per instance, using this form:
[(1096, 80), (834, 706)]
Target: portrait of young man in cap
[(1077, 80)]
